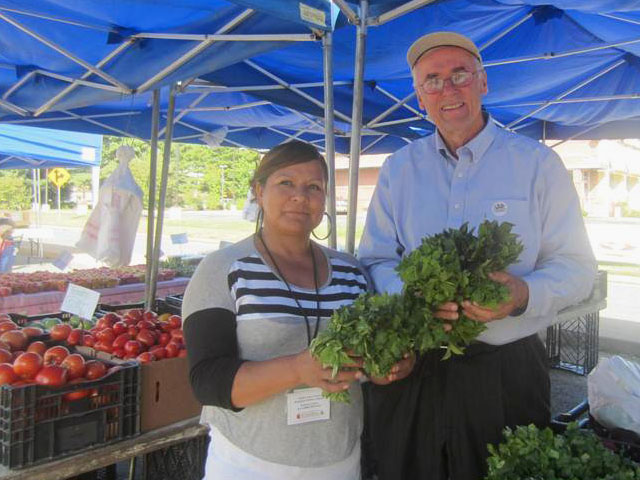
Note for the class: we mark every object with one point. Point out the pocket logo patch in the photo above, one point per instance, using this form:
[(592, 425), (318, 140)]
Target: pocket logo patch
[(499, 209)]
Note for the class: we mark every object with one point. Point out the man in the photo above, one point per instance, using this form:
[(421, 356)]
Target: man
[(435, 424)]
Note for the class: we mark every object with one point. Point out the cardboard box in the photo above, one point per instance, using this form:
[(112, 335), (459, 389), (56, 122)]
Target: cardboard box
[(166, 395)]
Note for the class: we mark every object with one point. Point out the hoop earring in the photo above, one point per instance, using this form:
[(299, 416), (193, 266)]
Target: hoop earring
[(330, 228), (259, 219)]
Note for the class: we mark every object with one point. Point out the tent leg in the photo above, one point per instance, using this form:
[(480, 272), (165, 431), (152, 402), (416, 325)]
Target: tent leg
[(166, 157), (356, 123), (153, 167), (329, 138)]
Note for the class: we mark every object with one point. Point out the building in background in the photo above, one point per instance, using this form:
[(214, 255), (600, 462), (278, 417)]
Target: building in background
[(606, 174)]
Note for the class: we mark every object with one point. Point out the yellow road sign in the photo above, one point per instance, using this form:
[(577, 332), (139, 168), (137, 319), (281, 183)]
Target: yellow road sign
[(59, 176)]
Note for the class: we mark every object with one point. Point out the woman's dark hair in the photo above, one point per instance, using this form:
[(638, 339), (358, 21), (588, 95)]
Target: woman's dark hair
[(284, 155)]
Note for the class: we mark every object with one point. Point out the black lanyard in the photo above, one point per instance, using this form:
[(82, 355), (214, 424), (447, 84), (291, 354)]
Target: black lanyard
[(293, 294)]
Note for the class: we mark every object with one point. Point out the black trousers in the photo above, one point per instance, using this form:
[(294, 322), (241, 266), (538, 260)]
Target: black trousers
[(436, 423)]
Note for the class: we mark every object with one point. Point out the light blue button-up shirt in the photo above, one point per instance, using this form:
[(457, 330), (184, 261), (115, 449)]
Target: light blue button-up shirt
[(422, 190)]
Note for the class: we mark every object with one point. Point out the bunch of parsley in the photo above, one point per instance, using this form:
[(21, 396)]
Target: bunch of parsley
[(373, 328), (450, 266), (529, 453), (453, 266)]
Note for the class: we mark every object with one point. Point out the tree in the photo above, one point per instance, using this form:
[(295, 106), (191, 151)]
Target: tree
[(15, 190), (195, 171)]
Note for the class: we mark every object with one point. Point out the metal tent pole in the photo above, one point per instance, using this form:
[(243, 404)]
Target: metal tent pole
[(356, 121), (163, 192), (153, 167), (329, 142)]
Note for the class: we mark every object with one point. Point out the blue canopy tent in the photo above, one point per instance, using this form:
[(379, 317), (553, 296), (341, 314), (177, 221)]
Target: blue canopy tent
[(557, 69), (31, 147)]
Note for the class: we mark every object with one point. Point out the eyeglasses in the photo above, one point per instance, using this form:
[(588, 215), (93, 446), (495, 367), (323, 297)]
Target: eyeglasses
[(457, 79)]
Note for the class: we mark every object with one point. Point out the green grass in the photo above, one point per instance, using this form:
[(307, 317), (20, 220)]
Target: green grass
[(629, 270)]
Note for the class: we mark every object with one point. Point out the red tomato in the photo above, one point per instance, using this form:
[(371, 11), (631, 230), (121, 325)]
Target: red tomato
[(5, 345), (52, 375), (120, 340), (119, 328), (129, 321), (60, 331), (5, 356), (146, 337), (75, 337), (55, 355), (150, 316), (135, 313), (37, 347), (33, 331), (104, 346), (27, 365), (145, 357), (175, 321), (107, 321), (133, 331), (106, 335), (164, 338), (118, 352), (177, 334), (75, 365), (145, 324), (158, 351), (76, 394), (133, 347), (94, 369), (172, 350), (16, 339), (7, 375), (88, 340), (7, 325)]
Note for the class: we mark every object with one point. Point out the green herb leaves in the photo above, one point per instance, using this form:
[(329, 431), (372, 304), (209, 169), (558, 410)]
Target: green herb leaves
[(529, 453), (448, 267), (453, 266)]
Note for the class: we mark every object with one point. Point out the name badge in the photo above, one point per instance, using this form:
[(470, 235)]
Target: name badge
[(307, 405), (499, 209)]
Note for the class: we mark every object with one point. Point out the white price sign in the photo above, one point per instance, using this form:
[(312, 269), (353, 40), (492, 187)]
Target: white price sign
[(80, 301)]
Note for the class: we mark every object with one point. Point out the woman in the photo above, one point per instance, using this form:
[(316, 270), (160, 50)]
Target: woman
[(251, 311)]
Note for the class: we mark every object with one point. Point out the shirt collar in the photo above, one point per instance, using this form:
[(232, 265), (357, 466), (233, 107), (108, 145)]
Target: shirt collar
[(478, 145)]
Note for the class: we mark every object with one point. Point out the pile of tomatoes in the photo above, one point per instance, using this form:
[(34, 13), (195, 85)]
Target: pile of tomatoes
[(134, 334), (24, 361)]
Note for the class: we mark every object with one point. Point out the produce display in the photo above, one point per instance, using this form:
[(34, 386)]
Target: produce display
[(450, 266), (96, 278), (184, 267), (26, 361), (134, 334), (529, 453)]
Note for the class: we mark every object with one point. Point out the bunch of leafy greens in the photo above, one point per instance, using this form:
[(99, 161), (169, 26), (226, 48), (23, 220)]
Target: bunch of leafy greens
[(453, 266), (529, 453), (372, 328), (450, 266)]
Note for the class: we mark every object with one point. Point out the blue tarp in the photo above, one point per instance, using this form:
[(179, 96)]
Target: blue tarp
[(529, 49), (31, 147)]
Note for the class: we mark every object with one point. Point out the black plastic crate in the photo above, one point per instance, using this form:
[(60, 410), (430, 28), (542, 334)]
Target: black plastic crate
[(21, 320), (573, 344), (174, 300), (185, 460), (39, 424), (159, 306)]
